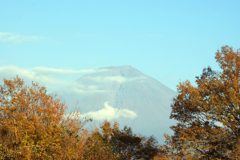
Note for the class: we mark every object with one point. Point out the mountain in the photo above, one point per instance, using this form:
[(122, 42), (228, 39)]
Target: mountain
[(138, 100)]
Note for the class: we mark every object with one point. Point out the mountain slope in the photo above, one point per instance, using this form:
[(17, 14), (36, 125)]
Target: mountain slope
[(125, 88)]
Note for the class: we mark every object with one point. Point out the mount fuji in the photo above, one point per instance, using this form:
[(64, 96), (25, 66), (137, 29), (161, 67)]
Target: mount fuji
[(125, 95)]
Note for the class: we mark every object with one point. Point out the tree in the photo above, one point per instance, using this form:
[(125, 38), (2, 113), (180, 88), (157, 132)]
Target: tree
[(208, 115), (123, 143), (33, 126)]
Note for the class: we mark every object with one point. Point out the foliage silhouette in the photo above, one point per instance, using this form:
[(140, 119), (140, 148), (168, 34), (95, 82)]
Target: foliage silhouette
[(124, 143)]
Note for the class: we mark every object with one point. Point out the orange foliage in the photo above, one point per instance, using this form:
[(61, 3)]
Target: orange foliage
[(209, 114), (123, 144), (33, 126)]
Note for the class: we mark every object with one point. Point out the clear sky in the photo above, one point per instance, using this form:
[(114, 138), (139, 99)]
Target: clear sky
[(169, 40)]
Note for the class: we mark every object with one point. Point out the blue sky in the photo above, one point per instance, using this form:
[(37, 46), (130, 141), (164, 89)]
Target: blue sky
[(167, 40)]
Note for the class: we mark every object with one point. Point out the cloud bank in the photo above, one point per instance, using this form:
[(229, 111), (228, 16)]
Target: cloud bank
[(118, 79), (17, 38), (42, 75), (59, 79), (80, 89), (110, 113), (45, 70)]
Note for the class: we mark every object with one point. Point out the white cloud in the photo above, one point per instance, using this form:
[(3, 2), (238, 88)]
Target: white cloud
[(51, 81), (110, 113), (45, 70), (17, 38), (51, 78), (83, 91), (118, 79), (28, 76), (77, 88), (92, 87)]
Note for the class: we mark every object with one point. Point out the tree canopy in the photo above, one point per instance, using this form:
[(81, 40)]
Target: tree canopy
[(208, 115), (33, 126), (124, 143)]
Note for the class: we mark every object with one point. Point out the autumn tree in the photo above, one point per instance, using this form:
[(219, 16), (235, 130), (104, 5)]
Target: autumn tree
[(208, 115), (33, 125), (123, 143)]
